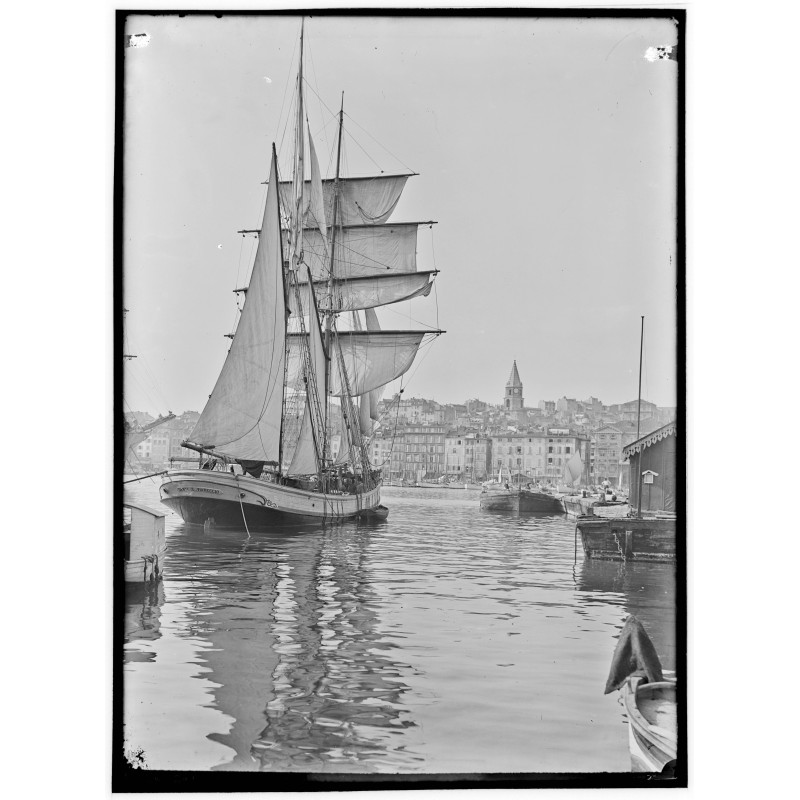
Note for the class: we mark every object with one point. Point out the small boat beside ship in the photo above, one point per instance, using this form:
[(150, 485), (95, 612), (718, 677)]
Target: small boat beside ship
[(144, 542), (649, 700)]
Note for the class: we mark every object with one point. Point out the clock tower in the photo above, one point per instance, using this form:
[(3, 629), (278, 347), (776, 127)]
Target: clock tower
[(513, 399)]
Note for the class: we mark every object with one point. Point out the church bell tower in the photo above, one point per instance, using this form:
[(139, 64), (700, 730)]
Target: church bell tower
[(513, 399)]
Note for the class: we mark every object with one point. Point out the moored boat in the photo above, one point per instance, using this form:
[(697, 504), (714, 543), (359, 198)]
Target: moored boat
[(145, 543), (515, 498), (309, 358), (645, 538), (649, 700)]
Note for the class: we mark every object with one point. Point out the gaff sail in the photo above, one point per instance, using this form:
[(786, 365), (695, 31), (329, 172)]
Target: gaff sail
[(242, 417)]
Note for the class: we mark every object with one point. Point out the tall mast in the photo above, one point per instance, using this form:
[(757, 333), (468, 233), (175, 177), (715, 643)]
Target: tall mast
[(638, 421), (329, 313), (639, 407)]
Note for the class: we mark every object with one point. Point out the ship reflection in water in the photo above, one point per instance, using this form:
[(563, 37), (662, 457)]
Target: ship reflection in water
[(445, 640)]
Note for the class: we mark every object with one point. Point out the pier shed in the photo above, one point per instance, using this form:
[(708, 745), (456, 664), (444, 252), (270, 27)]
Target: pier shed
[(656, 454)]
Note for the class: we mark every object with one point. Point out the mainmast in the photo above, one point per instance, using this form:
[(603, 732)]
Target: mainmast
[(329, 313)]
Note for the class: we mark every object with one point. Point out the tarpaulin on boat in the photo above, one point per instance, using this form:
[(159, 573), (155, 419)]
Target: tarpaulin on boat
[(635, 655)]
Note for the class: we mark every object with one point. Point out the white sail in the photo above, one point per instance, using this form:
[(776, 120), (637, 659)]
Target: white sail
[(375, 394), (362, 201), (371, 359), (361, 293), (242, 418), (310, 443), (362, 250), (316, 203), (573, 469)]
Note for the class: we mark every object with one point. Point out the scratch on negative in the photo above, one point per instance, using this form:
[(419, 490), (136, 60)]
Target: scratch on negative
[(617, 44)]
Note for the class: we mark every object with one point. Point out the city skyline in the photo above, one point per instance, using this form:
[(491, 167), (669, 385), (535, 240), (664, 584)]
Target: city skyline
[(547, 154)]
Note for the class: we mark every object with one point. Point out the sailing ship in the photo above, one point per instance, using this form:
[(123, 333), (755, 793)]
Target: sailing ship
[(309, 356)]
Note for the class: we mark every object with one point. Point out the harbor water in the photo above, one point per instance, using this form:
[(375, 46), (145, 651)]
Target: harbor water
[(446, 639)]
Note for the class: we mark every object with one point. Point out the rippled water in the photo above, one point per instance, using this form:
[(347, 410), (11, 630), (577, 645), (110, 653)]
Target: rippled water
[(446, 639)]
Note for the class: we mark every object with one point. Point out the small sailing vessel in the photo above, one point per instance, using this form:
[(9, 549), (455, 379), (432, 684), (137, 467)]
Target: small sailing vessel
[(296, 376), (649, 699)]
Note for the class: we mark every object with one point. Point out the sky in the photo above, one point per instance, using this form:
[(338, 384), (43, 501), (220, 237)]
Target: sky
[(546, 152)]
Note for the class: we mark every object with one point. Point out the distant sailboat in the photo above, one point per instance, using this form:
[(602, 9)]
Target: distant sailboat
[(325, 251)]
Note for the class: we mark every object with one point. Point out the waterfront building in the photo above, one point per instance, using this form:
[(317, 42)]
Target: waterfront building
[(418, 452), (468, 456), (607, 444), (536, 455)]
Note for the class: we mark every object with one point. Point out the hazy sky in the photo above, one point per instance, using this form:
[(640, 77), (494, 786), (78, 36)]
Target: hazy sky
[(546, 150)]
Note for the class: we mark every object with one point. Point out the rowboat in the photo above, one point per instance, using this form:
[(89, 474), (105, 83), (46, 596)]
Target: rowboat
[(649, 700)]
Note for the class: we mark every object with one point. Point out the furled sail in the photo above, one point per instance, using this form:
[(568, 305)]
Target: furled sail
[(362, 250), (242, 418), (362, 201), (371, 359), (361, 293)]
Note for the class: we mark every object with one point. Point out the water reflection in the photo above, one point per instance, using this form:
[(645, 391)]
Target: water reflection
[(644, 589), (142, 621), (444, 640), (336, 690)]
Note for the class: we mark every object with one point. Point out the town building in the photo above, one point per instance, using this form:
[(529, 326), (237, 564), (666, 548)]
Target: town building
[(468, 456), (418, 453), (536, 455)]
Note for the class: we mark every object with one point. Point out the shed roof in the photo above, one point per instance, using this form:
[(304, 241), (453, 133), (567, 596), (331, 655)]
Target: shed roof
[(670, 429)]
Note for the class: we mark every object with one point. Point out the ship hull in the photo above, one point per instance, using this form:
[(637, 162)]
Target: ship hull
[(628, 539), (520, 500), (236, 501)]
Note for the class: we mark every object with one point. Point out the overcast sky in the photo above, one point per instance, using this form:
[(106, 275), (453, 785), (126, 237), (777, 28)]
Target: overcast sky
[(546, 150)]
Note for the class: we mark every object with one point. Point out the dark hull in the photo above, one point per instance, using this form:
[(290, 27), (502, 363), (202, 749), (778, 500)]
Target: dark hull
[(520, 500), (225, 500), (628, 538), (196, 510)]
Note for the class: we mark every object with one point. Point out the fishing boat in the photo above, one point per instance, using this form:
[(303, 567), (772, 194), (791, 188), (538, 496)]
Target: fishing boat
[(309, 357), (145, 543), (649, 700)]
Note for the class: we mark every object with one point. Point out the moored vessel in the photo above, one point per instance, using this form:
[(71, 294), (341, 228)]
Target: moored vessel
[(649, 700), (309, 358), (144, 542)]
